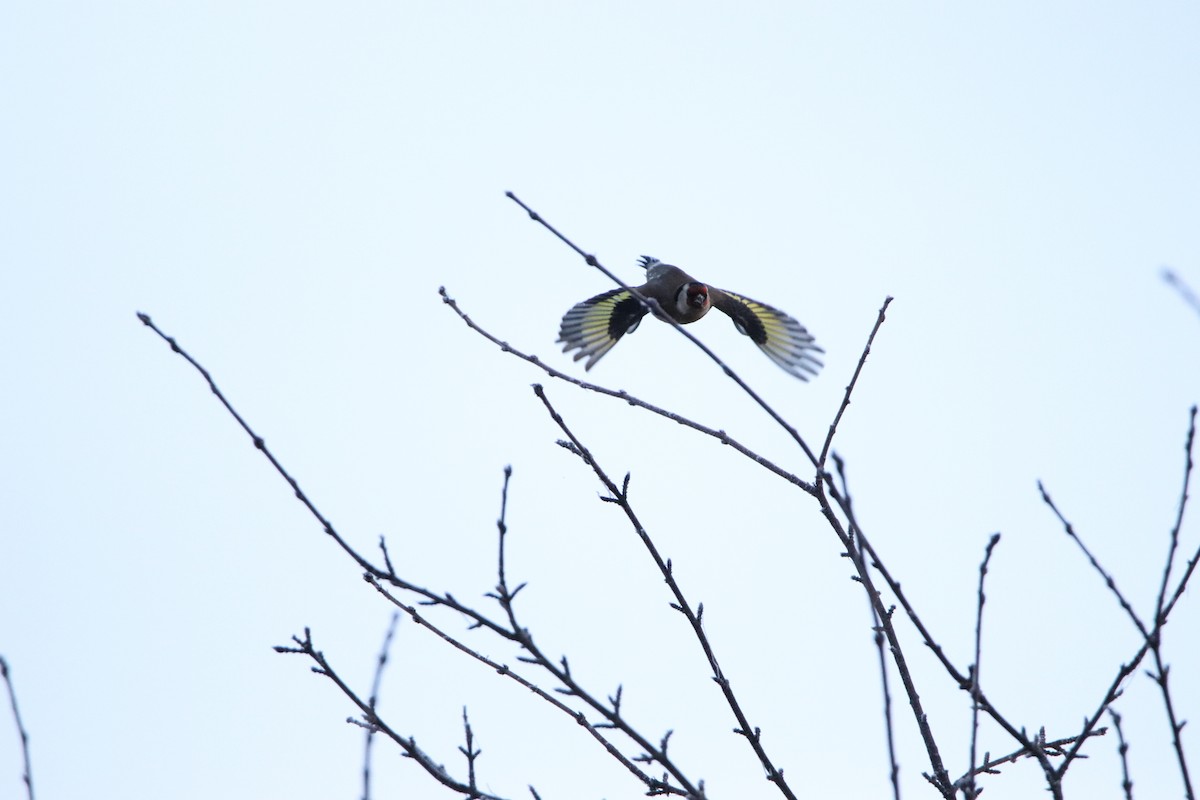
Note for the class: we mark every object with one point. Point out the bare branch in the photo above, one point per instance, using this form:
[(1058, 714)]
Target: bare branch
[(894, 771), (624, 396), (407, 744), (1122, 752), (471, 753), (752, 735), (857, 547), (1184, 290), (375, 576), (571, 688), (502, 526), (862, 360), (507, 672), (380, 663), (262, 447), (27, 777), (1109, 581), (1054, 749), (971, 791), (1162, 673), (1183, 498), (1152, 638)]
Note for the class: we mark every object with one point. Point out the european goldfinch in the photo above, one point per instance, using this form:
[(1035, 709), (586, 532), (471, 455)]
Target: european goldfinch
[(595, 325)]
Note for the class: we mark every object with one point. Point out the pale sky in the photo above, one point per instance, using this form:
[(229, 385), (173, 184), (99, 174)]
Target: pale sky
[(284, 186)]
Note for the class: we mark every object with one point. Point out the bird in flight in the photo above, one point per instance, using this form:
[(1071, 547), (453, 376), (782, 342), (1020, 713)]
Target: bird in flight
[(595, 325)]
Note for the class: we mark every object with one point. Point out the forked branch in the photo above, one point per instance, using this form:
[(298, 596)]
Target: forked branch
[(620, 496), (383, 577)]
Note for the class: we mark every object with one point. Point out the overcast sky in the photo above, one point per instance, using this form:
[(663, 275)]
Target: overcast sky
[(284, 186)]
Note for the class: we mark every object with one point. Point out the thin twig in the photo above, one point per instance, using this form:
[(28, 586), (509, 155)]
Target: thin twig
[(1042, 754), (856, 545), (1184, 290), (620, 496), (1123, 753), (862, 360), (879, 637), (380, 662), (261, 446), (387, 574), (1152, 638), (971, 791), (1161, 674), (506, 671), (894, 765), (27, 777), (1126, 669), (1055, 749), (962, 679), (1109, 581), (471, 752), (407, 744), (560, 670), (501, 523), (1183, 498)]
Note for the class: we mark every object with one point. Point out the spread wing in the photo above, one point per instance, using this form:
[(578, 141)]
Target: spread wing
[(781, 337), (595, 325)]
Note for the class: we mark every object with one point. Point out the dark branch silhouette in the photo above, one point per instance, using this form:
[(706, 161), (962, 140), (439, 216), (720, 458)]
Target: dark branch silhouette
[(379, 576), (620, 496), (27, 777), (971, 790), (624, 396), (380, 663), (408, 745), (862, 360), (602, 716), (1152, 637), (1184, 290), (1122, 753)]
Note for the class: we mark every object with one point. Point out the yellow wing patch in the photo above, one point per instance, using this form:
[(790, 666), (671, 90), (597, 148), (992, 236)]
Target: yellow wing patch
[(780, 336), (594, 326)]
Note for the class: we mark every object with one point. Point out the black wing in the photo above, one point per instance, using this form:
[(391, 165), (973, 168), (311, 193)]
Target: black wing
[(596, 324), (781, 337)]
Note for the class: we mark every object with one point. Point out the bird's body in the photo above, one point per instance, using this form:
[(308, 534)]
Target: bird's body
[(594, 326)]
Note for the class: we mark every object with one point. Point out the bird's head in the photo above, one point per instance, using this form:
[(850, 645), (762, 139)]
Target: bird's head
[(692, 302)]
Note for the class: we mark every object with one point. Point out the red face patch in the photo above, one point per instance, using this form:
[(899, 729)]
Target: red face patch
[(697, 295)]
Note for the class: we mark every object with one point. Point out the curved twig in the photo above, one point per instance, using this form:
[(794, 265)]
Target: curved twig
[(380, 663)]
